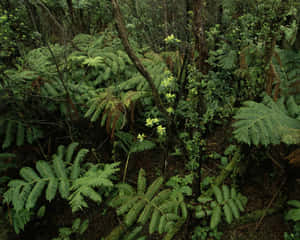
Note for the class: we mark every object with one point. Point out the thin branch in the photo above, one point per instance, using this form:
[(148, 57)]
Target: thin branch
[(136, 61)]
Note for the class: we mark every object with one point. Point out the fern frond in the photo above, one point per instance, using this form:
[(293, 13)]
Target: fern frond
[(162, 209), (141, 184), (93, 178), (76, 165), (226, 202), (70, 151), (263, 123)]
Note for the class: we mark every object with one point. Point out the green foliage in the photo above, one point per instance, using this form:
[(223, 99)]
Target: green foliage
[(72, 183), (286, 65), (203, 233), (20, 218), (18, 132), (294, 213), (104, 64), (181, 184), (74, 232), (128, 144), (84, 187), (161, 208), (266, 123), (156, 66), (226, 202), (293, 235), (113, 109)]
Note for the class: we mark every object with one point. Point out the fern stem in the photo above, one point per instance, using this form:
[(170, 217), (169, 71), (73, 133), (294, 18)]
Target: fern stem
[(126, 166)]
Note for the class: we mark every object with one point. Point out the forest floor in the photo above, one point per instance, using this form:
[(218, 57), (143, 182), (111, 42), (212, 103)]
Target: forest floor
[(261, 188)]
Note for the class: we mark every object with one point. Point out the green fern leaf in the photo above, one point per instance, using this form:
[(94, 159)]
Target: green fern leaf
[(52, 92), (29, 174), (133, 234), (126, 206), (70, 151), (20, 134), (162, 225), (35, 194), (8, 135), (227, 213), (45, 169), (226, 192), (61, 172), (216, 217), (76, 165), (141, 184), (184, 210), (263, 123), (234, 209), (154, 188), (145, 215), (218, 193), (154, 221), (132, 215), (51, 189)]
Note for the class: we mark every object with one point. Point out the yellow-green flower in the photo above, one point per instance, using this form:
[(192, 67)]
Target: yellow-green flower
[(141, 137), (170, 96), (151, 121), (161, 130), (170, 110)]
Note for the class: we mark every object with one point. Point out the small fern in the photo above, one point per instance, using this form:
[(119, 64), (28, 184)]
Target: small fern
[(162, 209), (78, 228), (266, 123), (226, 202), (18, 132)]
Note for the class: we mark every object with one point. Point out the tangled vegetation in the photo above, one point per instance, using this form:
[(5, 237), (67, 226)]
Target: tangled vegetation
[(139, 119)]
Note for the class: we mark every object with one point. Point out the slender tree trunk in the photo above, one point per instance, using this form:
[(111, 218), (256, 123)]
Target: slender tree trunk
[(166, 17), (136, 61), (199, 34)]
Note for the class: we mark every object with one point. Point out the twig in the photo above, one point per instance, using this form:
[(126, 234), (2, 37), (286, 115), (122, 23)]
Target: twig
[(269, 205)]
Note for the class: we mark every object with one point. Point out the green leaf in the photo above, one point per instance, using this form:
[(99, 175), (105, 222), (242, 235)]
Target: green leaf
[(228, 213), (218, 193), (215, 217), (70, 151), (294, 203), (154, 221), (141, 184), (20, 134), (35, 194)]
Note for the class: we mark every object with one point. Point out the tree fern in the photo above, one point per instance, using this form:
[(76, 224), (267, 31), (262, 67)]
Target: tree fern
[(161, 209), (265, 123), (105, 63), (226, 202), (156, 66), (112, 109)]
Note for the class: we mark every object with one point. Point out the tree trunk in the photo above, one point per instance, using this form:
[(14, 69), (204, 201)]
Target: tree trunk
[(136, 61), (199, 34)]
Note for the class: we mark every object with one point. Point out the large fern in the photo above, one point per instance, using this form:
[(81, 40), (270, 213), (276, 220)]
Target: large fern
[(162, 209), (267, 122), (73, 183)]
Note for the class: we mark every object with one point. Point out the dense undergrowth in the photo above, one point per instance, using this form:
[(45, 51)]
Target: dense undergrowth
[(131, 121)]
